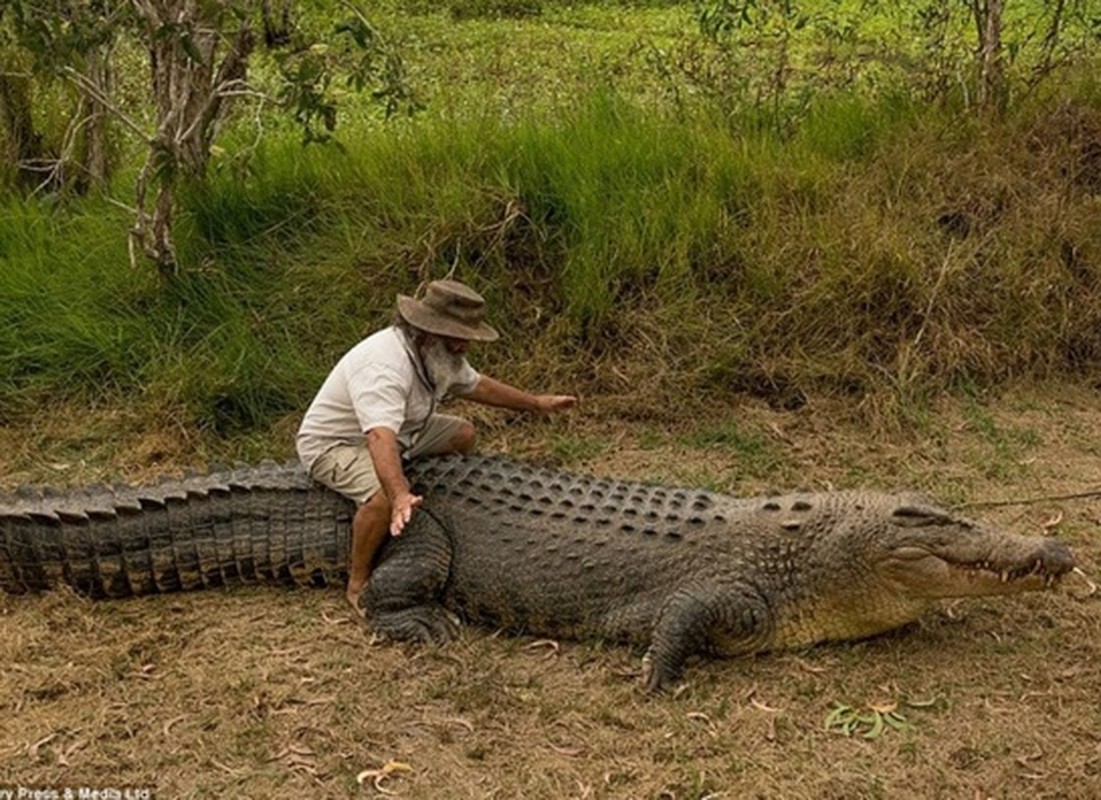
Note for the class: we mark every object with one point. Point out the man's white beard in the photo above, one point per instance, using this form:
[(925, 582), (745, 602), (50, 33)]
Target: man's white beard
[(444, 368)]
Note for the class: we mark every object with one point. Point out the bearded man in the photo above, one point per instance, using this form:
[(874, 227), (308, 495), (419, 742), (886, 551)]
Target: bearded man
[(378, 406)]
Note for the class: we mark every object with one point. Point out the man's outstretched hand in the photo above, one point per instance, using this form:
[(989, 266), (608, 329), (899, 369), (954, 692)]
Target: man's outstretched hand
[(550, 403)]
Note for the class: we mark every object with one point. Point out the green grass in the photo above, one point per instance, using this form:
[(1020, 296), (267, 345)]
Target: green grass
[(1007, 449), (495, 57), (755, 455), (818, 261), (600, 174), (84, 324), (64, 285), (569, 451)]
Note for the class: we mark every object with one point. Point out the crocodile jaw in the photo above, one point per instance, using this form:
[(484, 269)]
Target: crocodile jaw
[(935, 573)]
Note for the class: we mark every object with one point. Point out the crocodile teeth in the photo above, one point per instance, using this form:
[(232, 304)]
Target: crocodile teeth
[(1005, 575)]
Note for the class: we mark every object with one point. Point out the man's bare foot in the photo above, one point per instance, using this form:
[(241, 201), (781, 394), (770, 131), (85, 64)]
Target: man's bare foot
[(352, 595)]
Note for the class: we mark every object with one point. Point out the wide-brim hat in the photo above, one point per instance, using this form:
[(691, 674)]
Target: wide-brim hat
[(448, 308)]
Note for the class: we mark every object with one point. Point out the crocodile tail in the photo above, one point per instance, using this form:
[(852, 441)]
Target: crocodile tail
[(266, 524)]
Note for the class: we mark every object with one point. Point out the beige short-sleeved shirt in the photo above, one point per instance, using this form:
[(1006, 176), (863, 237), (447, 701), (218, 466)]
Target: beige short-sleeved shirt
[(378, 383)]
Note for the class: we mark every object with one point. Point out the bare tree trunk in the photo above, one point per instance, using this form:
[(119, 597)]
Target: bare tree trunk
[(1047, 60), (24, 142), (93, 113), (190, 95), (992, 91), (277, 26)]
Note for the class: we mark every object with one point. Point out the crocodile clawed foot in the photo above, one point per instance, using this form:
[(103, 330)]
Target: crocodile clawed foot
[(441, 629), (655, 681), (651, 680), (423, 624)]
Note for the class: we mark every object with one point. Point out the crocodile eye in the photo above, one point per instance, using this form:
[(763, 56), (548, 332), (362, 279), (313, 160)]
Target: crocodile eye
[(920, 516)]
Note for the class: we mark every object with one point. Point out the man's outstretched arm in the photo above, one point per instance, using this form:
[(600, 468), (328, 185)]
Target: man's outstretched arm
[(492, 392)]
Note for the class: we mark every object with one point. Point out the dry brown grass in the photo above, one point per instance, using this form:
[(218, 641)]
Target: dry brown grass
[(271, 693)]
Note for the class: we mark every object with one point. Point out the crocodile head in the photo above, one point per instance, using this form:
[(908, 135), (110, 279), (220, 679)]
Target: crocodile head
[(929, 553)]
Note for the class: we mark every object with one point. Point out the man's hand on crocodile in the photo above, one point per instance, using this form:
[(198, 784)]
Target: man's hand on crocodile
[(403, 506)]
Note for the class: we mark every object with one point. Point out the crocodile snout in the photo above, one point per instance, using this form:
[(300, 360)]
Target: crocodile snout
[(1056, 558)]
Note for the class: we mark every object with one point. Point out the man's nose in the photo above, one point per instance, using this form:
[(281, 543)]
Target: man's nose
[(457, 345)]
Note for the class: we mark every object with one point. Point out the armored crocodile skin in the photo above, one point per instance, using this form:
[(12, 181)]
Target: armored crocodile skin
[(268, 523), (675, 570)]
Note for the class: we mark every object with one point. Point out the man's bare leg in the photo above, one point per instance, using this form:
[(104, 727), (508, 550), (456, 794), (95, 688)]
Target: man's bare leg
[(370, 527), (371, 524)]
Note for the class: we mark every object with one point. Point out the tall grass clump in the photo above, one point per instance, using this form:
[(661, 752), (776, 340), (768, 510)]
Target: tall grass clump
[(620, 189), (64, 288), (82, 325), (882, 249)]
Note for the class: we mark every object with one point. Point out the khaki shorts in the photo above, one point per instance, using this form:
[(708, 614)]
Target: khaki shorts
[(348, 469)]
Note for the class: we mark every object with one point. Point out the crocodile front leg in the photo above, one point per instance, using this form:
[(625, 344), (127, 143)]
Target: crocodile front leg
[(703, 617), (402, 597)]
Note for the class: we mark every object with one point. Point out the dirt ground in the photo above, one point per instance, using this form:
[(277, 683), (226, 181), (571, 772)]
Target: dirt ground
[(265, 692)]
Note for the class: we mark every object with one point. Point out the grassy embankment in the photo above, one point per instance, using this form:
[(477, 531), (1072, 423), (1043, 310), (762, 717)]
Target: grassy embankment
[(883, 248)]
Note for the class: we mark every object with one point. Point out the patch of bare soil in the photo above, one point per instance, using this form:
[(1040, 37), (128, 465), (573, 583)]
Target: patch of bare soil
[(263, 692)]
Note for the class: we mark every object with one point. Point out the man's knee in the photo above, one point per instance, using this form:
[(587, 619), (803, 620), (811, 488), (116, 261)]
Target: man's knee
[(462, 441), (377, 507)]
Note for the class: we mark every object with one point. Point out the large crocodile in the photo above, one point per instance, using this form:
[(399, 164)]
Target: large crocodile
[(678, 571)]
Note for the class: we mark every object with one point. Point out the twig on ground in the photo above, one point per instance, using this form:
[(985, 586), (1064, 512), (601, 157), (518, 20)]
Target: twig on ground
[(1024, 501)]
